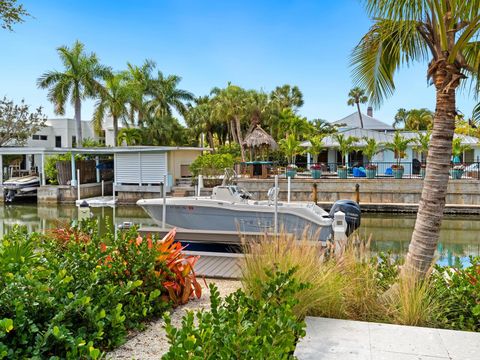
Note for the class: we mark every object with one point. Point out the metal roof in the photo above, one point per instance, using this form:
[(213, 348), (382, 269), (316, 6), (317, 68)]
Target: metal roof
[(369, 123), (19, 150), (382, 137)]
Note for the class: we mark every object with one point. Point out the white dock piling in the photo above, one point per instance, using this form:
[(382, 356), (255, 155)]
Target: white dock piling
[(78, 184), (275, 216), (200, 185), (339, 231), (164, 208), (103, 188), (289, 185)]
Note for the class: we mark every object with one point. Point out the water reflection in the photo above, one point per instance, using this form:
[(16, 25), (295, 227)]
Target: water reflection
[(459, 238)]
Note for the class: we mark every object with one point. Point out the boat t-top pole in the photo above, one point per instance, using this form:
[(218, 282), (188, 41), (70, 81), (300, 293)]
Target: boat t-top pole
[(275, 201)]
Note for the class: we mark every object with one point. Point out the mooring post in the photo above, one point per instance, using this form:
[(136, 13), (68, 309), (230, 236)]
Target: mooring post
[(339, 231), (199, 185), (78, 184), (275, 201), (315, 195), (164, 209), (289, 185), (103, 188), (357, 193)]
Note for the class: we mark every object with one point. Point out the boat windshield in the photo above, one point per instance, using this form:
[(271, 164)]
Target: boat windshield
[(244, 194)]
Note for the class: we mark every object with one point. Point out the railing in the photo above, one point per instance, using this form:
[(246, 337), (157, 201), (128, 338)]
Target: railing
[(411, 170)]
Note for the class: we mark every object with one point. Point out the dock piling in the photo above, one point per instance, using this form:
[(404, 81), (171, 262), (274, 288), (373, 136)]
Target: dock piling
[(275, 216), (164, 208)]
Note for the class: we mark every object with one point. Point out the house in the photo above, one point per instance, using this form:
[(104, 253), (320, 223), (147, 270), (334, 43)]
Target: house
[(61, 133), (352, 121)]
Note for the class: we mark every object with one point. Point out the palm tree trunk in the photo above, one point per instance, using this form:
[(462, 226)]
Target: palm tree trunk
[(115, 131), (432, 203), (210, 140), (360, 115), (78, 121), (239, 136)]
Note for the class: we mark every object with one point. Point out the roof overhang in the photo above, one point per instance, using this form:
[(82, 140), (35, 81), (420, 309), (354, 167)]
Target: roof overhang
[(21, 150)]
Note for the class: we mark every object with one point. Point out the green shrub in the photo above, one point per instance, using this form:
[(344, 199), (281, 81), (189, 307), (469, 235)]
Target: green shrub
[(458, 290), (241, 326), (212, 164), (51, 172), (71, 293)]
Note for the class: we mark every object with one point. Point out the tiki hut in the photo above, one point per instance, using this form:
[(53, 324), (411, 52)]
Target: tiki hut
[(259, 142)]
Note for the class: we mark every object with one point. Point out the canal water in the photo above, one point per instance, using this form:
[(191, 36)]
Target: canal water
[(459, 238)]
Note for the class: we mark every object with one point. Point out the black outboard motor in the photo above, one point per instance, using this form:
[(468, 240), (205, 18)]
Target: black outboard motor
[(352, 213)]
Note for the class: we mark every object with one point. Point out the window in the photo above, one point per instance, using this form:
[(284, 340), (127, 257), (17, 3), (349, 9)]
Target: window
[(36, 137), (43, 137), (58, 141), (74, 141)]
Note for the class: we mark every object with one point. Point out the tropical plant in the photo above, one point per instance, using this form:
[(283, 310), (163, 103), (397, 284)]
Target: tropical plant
[(444, 33), (399, 146), (248, 320), (419, 119), (163, 131), (17, 123), (400, 118), (11, 13), (131, 136), (357, 96), (345, 145), (322, 126), (113, 101), (212, 164), (476, 113), (316, 146), (79, 80), (371, 148), (422, 142), (458, 148), (290, 147), (290, 123), (287, 97)]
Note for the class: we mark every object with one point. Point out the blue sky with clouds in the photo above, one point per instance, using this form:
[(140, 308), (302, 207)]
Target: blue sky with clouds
[(255, 44)]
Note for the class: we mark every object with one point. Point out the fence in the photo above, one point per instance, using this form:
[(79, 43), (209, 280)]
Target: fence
[(411, 170)]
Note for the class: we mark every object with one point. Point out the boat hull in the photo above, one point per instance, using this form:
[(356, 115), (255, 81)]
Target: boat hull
[(197, 217)]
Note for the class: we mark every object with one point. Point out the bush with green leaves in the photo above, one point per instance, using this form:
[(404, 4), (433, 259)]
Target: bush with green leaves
[(458, 290), (242, 326), (210, 165), (73, 293)]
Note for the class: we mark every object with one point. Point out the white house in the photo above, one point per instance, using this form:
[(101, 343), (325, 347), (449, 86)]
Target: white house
[(61, 133)]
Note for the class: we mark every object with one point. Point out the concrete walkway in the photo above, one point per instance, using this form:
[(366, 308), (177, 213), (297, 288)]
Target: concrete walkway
[(332, 339)]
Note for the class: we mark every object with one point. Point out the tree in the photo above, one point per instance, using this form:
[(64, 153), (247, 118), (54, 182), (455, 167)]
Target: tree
[(458, 149), (371, 148), (419, 119), (291, 148), (422, 142), (316, 147), (290, 123), (131, 136), (322, 126), (166, 96), (163, 131), (79, 80), (11, 13), (17, 123), (345, 145), (444, 32), (399, 146), (113, 100), (356, 97), (400, 118), (287, 97)]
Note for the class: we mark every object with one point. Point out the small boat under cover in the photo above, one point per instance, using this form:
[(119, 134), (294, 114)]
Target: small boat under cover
[(23, 186)]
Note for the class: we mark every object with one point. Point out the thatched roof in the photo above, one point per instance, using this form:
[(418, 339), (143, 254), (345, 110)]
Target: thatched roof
[(259, 137)]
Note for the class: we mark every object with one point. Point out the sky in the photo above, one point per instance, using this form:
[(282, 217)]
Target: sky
[(257, 44)]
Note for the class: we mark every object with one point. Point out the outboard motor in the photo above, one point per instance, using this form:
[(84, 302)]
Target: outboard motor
[(352, 213)]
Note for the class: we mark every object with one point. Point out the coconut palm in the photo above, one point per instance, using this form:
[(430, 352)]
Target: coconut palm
[(444, 33), (166, 96), (131, 136), (346, 145), (419, 119), (79, 80), (400, 118), (357, 96), (399, 146), (112, 102), (200, 118)]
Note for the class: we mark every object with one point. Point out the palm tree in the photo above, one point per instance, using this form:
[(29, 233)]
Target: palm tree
[(291, 148), (399, 146), (79, 80), (422, 142), (131, 136), (316, 146), (287, 97), (200, 118), (345, 145), (112, 102), (356, 97), (444, 32), (166, 96), (400, 118), (419, 119), (371, 148)]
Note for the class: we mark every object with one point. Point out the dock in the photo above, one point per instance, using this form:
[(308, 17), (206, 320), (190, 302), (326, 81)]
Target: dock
[(218, 265)]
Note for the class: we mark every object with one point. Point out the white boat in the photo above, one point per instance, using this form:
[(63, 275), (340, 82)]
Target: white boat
[(230, 208), (23, 186)]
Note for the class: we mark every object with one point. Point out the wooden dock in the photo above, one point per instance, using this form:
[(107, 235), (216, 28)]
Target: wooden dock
[(218, 265)]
